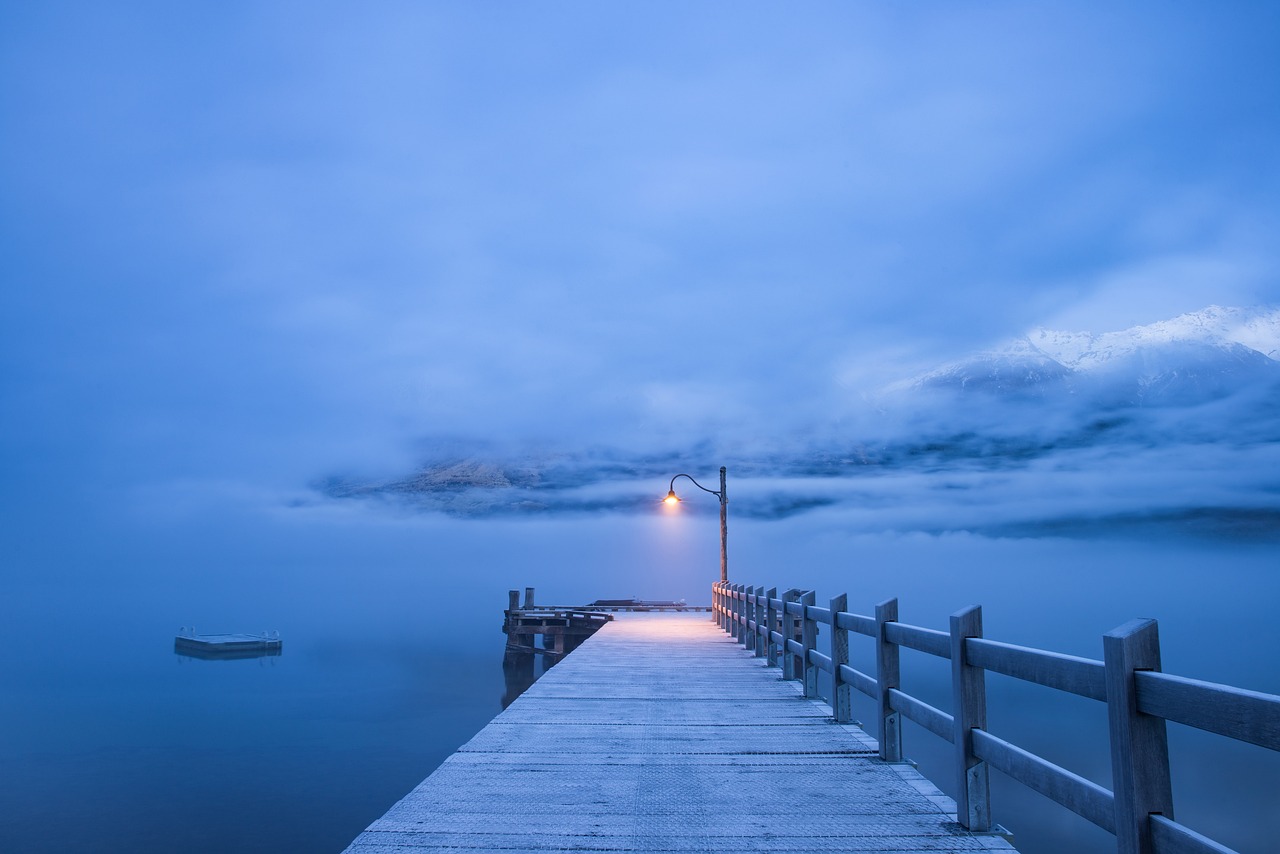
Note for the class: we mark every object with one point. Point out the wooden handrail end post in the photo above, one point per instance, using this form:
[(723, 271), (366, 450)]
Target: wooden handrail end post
[(888, 724), (1139, 742), (969, 699)]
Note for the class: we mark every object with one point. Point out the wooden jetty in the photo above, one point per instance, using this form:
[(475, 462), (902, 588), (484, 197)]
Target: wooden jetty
[(661, 733), (672, 732)]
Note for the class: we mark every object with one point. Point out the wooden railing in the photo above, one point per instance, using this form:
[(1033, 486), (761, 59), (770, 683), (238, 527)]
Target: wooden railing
[(1140, 699)]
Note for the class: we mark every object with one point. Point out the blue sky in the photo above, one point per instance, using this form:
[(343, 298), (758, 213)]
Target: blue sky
[(284, 237)]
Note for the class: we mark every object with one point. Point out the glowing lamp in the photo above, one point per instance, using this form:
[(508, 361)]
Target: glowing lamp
[(723, 494)]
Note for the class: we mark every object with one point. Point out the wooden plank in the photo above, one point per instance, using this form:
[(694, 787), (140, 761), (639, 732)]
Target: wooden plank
[(821, 661), (936, 721), (928, 641), (660, 733), (818, 614), (1169, 837), (1081, 676), (859, 680), (1234, 712), (1083, 797), (857, 623)]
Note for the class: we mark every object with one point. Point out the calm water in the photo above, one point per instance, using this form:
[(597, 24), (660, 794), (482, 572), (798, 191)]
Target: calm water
[(392, 656)]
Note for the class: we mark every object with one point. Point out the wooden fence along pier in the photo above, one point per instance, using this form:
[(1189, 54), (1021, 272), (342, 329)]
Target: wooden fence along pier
[(1139, 698), (667, 731)]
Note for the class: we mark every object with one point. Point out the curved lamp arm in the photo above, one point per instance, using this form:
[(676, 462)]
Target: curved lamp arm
[(671, 490), (722, 494)]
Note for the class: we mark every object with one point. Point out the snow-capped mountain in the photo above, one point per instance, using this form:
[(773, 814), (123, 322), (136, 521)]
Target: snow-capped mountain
[(1193, 357), (1017, 367), (1254, 329)]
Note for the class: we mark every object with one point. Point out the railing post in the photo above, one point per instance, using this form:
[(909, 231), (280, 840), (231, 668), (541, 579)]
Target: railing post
[(841, 702), (740, 612), (809, 640), (726, 607), (748, 634), (762, 628), (969, 699), (788, 658), (1139, 743), (733, 611), (724, 624), (740, 608), (771, 623), (888, 726)]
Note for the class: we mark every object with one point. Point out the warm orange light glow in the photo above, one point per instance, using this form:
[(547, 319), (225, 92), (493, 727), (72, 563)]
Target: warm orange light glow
[(672, 499)]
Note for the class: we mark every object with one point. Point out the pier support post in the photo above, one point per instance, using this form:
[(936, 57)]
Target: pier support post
[(517, 661), (809, 640), (888, 725), (788, 657), (841, 700), (516, 638), (1139, 743), (969, 698)]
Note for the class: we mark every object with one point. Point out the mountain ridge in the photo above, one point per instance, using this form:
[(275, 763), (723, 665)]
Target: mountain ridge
[(1198, 355)]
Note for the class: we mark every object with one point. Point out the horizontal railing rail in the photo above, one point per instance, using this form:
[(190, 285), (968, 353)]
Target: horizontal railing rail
[(1080, 676), (1139, 699)]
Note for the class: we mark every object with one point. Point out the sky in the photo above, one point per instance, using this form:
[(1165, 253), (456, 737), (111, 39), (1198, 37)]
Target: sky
[(272, 240)]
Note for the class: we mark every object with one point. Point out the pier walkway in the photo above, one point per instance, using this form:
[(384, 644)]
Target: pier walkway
[(662, 733)]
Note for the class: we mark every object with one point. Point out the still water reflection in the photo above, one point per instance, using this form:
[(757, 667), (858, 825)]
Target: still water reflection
[(114, 744)]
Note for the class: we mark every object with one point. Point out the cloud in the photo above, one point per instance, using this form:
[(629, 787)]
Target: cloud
[(323, 230)]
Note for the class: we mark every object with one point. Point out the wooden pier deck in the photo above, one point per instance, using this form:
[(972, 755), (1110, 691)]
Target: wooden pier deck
[(661, 733)]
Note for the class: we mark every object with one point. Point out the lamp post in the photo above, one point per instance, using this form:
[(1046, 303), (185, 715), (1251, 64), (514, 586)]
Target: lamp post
[(723, 495)]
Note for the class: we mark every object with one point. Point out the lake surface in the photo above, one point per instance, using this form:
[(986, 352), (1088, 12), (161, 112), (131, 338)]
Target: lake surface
[(392, 654)]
